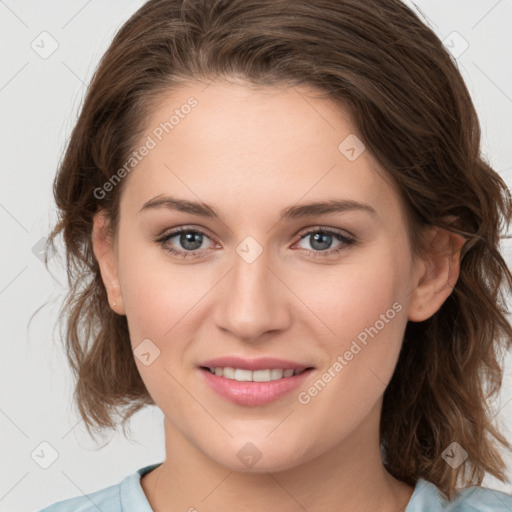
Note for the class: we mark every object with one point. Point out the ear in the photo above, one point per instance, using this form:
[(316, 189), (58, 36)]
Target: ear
[(437, 272), (104, 251)]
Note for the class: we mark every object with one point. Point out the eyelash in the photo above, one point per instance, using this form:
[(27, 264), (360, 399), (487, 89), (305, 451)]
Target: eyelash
[(346, 242)]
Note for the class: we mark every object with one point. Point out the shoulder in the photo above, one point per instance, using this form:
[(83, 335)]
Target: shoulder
[(483, 500), (126, 496), (106, 500), (427, 497)]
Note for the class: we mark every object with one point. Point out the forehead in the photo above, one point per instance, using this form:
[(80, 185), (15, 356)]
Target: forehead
[(248, 146)]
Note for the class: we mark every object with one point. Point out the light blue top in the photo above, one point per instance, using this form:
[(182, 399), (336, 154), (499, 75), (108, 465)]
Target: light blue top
[(128, 496)]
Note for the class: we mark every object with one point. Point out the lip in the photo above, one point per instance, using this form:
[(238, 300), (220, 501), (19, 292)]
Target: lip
[(262, 363), (253, 393)]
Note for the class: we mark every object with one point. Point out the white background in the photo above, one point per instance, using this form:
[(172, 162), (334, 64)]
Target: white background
[(40, 100)]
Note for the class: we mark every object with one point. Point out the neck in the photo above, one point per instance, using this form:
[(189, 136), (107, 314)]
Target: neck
[(348, 477)]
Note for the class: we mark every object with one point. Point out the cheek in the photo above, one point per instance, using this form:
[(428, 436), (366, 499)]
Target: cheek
[(153, 290), (376, 313), (162, 297), (354, 296), (364, 308), (157, 296)]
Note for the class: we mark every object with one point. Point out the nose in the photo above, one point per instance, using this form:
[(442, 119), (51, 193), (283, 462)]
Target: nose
[(253, 299)]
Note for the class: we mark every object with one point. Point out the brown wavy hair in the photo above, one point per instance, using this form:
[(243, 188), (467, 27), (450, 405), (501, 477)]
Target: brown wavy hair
[(411, 108)]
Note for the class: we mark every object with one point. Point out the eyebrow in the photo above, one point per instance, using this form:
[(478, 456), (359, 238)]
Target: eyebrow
[(289, 213)]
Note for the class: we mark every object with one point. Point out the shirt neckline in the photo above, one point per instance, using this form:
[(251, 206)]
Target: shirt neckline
[(134, 499), (132, 495)]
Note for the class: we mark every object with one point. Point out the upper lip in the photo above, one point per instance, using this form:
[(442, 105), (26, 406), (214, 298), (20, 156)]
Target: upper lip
[(261, 363)]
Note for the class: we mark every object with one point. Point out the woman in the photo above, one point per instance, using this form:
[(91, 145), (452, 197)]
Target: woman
[(280, 231)]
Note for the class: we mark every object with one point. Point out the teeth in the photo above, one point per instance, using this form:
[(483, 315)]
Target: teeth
[(256, 376), (242, 375), (229, 373)]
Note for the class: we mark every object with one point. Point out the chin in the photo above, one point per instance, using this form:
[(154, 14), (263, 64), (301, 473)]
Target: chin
[(258, 457)]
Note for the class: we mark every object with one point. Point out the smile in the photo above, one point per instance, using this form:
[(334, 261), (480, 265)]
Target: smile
[(242, 387), (242, 375)]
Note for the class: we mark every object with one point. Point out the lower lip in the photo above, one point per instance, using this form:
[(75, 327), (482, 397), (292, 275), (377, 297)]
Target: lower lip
[(254, 393)]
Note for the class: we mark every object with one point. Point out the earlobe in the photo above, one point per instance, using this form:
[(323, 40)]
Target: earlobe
[(438, 273), (104, 252)]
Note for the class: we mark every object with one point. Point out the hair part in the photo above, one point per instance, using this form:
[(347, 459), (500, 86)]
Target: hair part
[(412, 110)]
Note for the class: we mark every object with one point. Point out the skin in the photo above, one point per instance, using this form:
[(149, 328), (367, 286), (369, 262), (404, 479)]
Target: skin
[(250, 152)]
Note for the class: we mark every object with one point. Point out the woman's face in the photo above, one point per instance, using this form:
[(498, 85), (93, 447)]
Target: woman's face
[(260, 274)]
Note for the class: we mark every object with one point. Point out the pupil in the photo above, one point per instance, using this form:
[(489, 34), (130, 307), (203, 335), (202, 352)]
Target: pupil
[(323, 239), (190, 238), (192, 241)]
